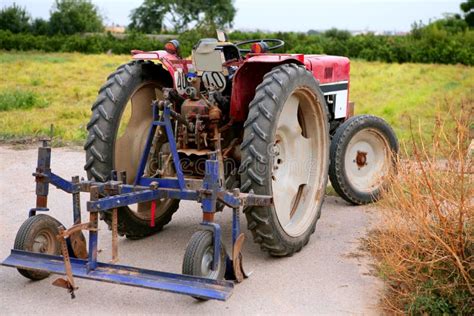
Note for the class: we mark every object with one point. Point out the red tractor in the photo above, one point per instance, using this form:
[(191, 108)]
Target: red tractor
[(281, 123), (234, 126)]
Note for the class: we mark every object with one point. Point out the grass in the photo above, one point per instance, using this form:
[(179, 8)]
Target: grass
[(424, 246), (20, 100), (403, 92), (69, 82)]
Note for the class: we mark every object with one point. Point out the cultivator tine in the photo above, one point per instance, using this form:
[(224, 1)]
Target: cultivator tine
[(67, 283), (114, 236), (239, 272)]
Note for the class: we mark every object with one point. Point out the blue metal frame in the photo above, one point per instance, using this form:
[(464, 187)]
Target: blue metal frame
[(114, 194), (166, 123), (157, 280)]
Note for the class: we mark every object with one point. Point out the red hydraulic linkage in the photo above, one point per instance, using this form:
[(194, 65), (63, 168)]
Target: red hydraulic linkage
[(152, 213)]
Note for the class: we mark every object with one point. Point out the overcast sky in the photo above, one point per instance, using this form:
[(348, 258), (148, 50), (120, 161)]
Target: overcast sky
[(293, 15)]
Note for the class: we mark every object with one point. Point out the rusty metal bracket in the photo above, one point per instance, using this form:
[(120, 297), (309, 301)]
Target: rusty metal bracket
[(114, 236), (67, 283)]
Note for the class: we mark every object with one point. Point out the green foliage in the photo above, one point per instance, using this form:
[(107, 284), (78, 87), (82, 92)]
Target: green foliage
[(200, 14), (40, 27), (468, 9), (446, 41), (429, 301), (75, 16), (148, 18), (20, 100), (208, 14), (15, 19), (89, 44)]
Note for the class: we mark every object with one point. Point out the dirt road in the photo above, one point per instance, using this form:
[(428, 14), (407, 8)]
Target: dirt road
[(326, 277)]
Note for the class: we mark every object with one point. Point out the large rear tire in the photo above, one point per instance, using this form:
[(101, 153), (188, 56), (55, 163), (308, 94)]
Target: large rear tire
[(120, 121), (363, 154), (285, 154)]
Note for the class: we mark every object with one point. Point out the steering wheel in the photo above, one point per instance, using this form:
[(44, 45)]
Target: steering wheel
[(277, 44)]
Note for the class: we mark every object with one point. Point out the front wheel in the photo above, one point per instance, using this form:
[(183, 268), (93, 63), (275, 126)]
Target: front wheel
[(363, 153), (285, 154)]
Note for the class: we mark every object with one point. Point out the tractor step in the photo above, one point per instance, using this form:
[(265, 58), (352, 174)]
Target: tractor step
[(156, 280)]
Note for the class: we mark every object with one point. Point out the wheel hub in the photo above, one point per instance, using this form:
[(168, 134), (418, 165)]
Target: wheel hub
[(42, 243), (361, 159), (206, 264), (367, 161)]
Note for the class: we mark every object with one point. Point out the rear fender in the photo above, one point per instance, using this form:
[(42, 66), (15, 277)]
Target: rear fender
[(249, 76), (170, 62)]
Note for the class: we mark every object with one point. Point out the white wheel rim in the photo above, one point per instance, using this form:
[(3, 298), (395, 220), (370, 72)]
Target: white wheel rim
[(130, 142), (367, 160), (299, 164), (206, 264)]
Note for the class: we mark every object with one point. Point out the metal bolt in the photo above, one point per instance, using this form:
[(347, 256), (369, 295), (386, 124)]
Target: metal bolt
[(154, 185)]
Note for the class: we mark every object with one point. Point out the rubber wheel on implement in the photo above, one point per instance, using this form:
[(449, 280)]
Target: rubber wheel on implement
[(119, 125), (38, 234), (198, 257), (363, 153), (285, 154)]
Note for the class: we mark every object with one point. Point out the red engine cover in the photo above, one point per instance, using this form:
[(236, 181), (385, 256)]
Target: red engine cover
[(328, 69)]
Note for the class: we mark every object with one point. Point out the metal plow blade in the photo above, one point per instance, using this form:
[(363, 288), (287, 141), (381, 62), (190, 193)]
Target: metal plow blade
[(170, 282)]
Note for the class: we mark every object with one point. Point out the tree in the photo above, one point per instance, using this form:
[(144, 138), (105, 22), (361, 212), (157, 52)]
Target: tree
[(15, 19), (210, 14), (150, 17), (40, 26), (468, 9), (75, 16)]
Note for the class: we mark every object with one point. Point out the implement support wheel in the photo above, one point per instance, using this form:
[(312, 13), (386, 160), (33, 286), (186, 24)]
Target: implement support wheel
[(38, 234), (198, 257)]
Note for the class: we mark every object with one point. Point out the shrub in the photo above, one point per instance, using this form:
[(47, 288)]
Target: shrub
[(425, 244), (425, 45)]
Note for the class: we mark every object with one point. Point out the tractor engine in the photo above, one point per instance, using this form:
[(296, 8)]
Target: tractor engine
[(203, 120), (202, 101), (206, 127)]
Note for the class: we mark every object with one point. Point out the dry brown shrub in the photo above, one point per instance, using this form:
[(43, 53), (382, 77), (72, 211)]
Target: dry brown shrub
[(424, 244)]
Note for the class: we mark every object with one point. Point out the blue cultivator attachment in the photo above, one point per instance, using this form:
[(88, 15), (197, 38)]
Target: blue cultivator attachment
[(75, 259), (156, 280)]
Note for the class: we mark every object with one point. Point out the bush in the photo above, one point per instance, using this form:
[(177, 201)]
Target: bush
[(426, 45), (425, 244), (89, 44)]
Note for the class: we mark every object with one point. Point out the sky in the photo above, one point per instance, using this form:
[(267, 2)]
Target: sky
[(294, 15)]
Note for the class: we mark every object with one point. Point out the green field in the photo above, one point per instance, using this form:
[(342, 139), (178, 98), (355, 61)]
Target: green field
[(38, 89)]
